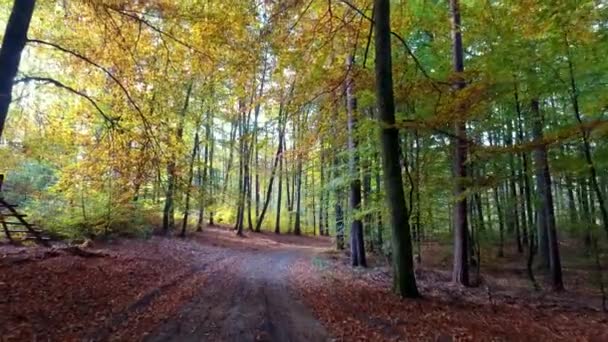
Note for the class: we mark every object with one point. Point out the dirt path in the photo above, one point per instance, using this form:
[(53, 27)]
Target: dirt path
[(214, 286), (247, 297), (211, 286)]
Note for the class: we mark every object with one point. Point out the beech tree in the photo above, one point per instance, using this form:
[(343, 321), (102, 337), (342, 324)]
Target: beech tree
[(403, 264), (13, 43)]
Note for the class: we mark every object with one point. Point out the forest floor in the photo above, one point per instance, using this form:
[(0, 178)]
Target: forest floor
[(215, 286)]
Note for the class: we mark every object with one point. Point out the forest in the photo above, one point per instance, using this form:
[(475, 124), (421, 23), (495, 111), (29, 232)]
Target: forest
[(303, 170)]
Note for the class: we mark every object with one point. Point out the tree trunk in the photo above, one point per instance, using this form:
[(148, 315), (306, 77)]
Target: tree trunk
[(546, 215), (204, 181), (512, 218), (277, 224), (169, 210), (379, 238), (416, 186), (357, 245), (13, 43), (572, 212), (404, 279), (460, 272), (297, 230), (585, 211), (260, 219), (233, 131), (525, 160), (242, 174), (524, 188), (322, 193), (211, 182), (338, 211), (189, 184), (587, 146)]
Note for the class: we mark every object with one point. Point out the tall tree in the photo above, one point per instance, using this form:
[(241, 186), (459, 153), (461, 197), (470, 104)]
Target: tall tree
[(357, 245), (404, 280), (277, 158), (169, 209), (546, 214), (460, 272), (593, 178), (13, 43)]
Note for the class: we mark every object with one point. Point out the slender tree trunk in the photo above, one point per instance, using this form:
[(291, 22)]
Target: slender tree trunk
[(460, 272), (585, 211), (587, 146), (169, 210), (338, 211), (322, 193), (204, 181), (367, 200), (189, 184), (546, 215), (277, 158), (13, 43), (277, 224), (379, 225), (242, 173), (525, 160), (572, 212), (297, 226), (512, 199), (416, 185), (233, 131), (357, 245), (404, 279), (211, 173), (314, 208), (501, 227)]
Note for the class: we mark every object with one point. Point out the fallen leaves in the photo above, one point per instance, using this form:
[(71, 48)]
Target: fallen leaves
[(357, 305), (60, 295)]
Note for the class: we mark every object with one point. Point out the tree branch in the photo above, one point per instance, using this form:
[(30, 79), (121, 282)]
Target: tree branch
[(129, 14), (403, 42), (27, 79), (130, 99)]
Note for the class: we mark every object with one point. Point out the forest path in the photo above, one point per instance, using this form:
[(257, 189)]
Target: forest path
[(247, 296)]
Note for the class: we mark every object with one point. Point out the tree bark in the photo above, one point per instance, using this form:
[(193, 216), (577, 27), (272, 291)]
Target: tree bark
[(297, 230), (357, 245), (189, 184), (322, 193), (404, 280), (460, 272), (204, 181), (13, 43), (211, 182), (169, 209), (277, 224), (587, 146), (277, 158), (546, 215)]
